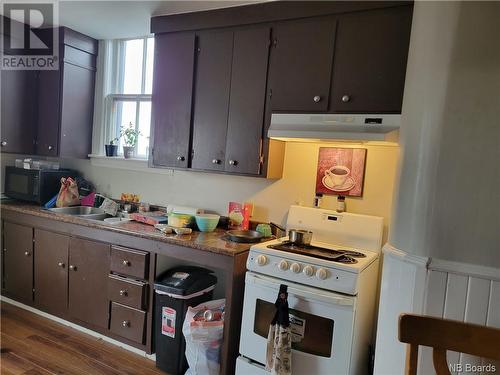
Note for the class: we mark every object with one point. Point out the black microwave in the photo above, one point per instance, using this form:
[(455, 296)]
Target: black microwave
[(34, 185)]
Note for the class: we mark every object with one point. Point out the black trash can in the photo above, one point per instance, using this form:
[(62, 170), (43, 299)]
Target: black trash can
[(175, 291)]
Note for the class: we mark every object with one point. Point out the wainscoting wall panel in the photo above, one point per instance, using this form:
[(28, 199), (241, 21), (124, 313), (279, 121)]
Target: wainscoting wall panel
[(458, 296), (435, 287)]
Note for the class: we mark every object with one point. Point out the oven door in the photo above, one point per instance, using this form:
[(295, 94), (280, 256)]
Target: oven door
[(323, 325)]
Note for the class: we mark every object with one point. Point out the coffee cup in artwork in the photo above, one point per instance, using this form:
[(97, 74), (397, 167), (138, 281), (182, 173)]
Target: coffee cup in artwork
[(338, 174)]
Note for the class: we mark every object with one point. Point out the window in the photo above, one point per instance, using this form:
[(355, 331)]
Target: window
[(130, 102)]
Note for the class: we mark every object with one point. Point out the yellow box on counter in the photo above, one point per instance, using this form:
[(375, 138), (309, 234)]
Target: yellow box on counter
[(180, 220)]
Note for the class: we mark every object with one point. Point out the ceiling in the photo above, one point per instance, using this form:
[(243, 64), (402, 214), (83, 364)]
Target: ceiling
[(125, 19)]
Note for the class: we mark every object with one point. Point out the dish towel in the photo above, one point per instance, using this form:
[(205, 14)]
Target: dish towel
[(279, 343)]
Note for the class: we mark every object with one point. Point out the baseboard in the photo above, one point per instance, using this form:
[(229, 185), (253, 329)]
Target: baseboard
[(79, 328)]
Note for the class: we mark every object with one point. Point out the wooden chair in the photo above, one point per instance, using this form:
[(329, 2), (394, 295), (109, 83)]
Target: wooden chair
[(443, 335)]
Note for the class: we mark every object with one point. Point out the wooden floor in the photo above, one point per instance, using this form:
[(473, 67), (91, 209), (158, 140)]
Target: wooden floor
[(33, 345)]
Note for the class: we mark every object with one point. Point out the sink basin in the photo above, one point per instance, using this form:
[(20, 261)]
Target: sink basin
[(84, 212)]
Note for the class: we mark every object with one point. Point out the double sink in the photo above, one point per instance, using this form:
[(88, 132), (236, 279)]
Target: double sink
[(83, 212)]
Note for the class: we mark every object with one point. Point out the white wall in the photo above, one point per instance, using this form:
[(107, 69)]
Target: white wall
[(448, 201), (271, 198), (446, 211)]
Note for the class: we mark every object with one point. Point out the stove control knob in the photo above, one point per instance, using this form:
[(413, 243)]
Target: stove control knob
[(295, 267), (261, 260), (283, 265), (308, 271), (321, 274)]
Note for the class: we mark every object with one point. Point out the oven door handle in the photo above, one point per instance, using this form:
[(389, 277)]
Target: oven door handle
[(300, 292)]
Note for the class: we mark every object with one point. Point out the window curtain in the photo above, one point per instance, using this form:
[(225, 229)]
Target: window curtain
[(107, 78)]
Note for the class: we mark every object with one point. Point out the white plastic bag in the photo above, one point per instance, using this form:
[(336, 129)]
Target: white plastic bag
[(203, 340)]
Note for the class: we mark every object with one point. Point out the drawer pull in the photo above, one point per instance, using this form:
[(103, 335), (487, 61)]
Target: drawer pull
[(126, 323), (27, 253), (123, 293), (60, 264), (126, 263), (72, 268)]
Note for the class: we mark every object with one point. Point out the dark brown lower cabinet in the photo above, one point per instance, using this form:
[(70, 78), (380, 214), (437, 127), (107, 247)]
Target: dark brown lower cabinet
[(127, 322), (51, 271), (18, 261), (88, 281)]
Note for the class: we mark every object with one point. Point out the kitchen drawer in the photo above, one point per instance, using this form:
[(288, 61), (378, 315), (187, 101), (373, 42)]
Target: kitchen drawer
[(127, 291), (129, 262), (127, 322)]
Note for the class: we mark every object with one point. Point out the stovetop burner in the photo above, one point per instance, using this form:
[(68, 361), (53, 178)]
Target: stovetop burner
[(334, 255)]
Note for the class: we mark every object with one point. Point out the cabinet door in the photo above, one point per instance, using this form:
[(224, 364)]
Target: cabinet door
[(77, 111), (18, 261), (211, 103), (301, 64), (247, 100), (370, 61), (48, 113), (171, 102), (18, 103), (88, 280), (51, 271)]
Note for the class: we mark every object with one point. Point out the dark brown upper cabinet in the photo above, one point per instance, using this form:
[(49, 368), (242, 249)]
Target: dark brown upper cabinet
[(88, 281), (50, 112), (18, 261), (51, 271), (226, 73), (324, 57), (244, 141), (230, 96), (18, 114), (211, 99), (172, 97), (66, 99), (369, 68), (301, 64)]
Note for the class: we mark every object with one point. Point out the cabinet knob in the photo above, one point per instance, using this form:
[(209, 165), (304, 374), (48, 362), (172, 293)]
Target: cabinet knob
[(123, 293), (50, 147), (126, 323), (27, 253), (317, 99), (72, 267), (233, 162), (60, 264), (346, 98), (180, 158), (4, 143), (215, 161), (126, 262)]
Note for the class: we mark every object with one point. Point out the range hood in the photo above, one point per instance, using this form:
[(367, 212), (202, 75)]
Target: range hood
[(332, 127)]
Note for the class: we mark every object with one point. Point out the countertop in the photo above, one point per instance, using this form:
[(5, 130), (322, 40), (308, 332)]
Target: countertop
[(211, 242)]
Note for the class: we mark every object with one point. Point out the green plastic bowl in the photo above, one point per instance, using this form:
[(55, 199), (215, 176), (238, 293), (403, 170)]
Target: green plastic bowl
[(207, 222)]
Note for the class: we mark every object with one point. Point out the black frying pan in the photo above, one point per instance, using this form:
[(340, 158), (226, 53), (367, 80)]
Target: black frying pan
[(244, 236)]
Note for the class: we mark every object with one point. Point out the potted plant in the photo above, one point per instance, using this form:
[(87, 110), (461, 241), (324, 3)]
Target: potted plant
[(111, 148), (130, 138)]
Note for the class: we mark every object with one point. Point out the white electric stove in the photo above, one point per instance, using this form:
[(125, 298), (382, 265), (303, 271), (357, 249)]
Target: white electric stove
[(331, 293)]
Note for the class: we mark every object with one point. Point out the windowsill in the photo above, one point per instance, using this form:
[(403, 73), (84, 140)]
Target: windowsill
[(132, 164)]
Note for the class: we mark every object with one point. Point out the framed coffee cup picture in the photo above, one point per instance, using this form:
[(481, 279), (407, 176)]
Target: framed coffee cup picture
[(341, 171)]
